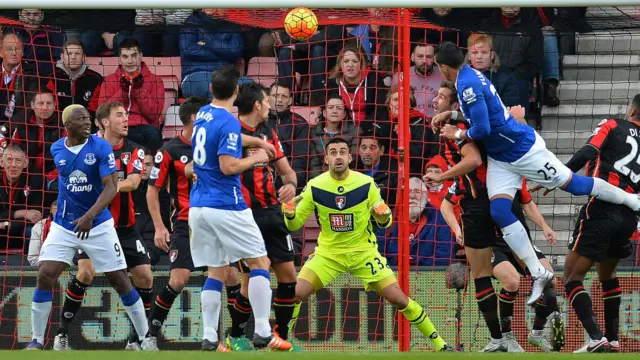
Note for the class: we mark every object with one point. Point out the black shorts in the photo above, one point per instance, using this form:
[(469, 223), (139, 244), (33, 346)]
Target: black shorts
[(603, 230), (502, 253), (478, 229), (180, 249), (135, 251)]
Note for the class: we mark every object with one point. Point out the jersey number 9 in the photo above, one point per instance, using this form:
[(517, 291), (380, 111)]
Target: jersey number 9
[(199, 152)]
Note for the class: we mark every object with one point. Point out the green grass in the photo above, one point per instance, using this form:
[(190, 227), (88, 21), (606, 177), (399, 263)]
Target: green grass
[(196, 355)]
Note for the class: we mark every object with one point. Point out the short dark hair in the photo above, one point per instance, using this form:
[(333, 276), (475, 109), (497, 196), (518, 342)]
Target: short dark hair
[(248, 95), (377, 139), (44, 91), (73, 42), (191, 106), (280, 83), (446, 84), (636, 102), (104, 110), (337, 140), (448, 53), (129, 43), (224, 82)]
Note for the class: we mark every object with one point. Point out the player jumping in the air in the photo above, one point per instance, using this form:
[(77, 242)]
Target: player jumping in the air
[(258, 188), (514, 151), (222, 226), (88, 182), (345, 201), (112, 120), (603, 229)]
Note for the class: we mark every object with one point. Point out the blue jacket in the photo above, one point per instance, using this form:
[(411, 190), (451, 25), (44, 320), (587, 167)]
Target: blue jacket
[(434, 244), (207, 44), (506, 85)]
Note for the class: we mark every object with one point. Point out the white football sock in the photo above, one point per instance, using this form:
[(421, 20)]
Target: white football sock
[(606, 192), (516, 237), (138, 318), (39, 319), (211, 302), (260, 299)]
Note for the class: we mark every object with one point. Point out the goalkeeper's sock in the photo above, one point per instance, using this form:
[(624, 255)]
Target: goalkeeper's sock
[(294, 317), (72, 303), (283, 305), (146, 295), (260, 298), (40, 309), (546, 305), (507, 300), (135, 309), (240, 315), (418, 318), (211, 298), (161, 308), (487, 304)]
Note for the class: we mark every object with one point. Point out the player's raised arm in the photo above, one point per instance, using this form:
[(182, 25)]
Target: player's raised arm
[(449, 215), (478, 112), (471, 159), (378, 209), (133, 180), (256, 142), (297, 211), (289, 177), (592, 148)]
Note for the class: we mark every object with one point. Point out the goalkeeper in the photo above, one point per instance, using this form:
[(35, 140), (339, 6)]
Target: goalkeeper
[(345, 201)]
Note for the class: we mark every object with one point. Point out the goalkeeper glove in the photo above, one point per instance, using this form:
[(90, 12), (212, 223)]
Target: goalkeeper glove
[(289, 208), (381, 212)]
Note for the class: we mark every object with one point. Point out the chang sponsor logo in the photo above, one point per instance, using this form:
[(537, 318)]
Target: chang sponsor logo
[(78, 182)]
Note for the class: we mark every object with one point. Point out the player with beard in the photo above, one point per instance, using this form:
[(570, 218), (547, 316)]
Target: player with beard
[(129, 157), (88, 182), (346, 201)]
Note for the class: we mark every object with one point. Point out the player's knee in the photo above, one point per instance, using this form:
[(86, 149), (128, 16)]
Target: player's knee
[(86, 272), (119, 281), (144, 279), (179, 279), (47, 278), (259, 263), (501, 212), (510, 282)]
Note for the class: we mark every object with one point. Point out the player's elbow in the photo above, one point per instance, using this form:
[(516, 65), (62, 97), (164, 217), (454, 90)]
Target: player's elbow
[(227, 169)]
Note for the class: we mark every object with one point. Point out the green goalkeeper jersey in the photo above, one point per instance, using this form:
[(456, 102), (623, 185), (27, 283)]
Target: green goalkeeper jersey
[(343, 210)]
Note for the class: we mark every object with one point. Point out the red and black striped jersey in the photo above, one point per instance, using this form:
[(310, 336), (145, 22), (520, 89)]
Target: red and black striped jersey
[(168, 172), (258, 183), (474, 181), (618, 161), (129, 160)]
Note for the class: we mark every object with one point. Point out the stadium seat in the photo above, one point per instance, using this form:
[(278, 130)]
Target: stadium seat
[(240, 66), (109, 65), (310, 113), (177, 66), (172, 123), (263, 70), (171, 83), (160, 66)]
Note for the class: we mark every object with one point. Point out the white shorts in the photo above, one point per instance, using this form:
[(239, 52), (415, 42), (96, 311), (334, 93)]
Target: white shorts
[(539, 165), (219, 237), (102, 246)]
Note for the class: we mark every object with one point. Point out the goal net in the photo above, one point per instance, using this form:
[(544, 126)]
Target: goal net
[(368, 76)]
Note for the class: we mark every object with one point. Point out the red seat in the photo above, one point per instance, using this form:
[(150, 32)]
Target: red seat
[(263, 70), (171, 83)]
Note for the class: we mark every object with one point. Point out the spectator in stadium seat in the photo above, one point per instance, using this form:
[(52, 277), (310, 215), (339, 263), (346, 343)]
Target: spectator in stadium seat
[(42, 44), (41, 129), (424, 143), (334, 121), (20, 82), (517, 39), (379, 42), (141, 92), (292, 130), (383, 169), (457, 24), (207, 43), (158, 30), (430, 240), (362, 89), (309, 57), (72, 80), (39, 234), (551, 69), (425, 77), (20, 199), (482, 58), (105, 30)]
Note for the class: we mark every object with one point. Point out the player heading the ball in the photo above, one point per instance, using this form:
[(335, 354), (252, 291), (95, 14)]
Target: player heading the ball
[(345, 201)]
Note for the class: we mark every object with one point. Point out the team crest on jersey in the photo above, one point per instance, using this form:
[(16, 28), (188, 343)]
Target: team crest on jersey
[(173, 255), (90, 159), (125, 158), (87, 95), (341, 202)]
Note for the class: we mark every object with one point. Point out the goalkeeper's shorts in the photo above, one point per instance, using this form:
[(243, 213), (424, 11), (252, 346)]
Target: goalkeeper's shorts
[(368, 266)]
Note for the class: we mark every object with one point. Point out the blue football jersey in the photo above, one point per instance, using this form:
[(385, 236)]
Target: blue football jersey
[(81, 169), (502, 136), (216, 132)]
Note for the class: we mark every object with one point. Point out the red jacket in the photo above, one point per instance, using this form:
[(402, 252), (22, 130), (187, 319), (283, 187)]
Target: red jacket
[(142, 95)]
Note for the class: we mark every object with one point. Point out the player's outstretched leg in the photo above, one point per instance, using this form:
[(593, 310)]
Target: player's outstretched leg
[(48, 274), (143, 280), (391, 291), (131, 300), (509, 278), (576, 266), (73, 301), (611, 298), (583, 185), (515, 235)]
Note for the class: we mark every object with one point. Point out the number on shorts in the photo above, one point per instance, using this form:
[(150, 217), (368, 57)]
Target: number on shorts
[(621, 165), (547, 169), (140, 248), (372, 266), (116, 247), (199, 152)]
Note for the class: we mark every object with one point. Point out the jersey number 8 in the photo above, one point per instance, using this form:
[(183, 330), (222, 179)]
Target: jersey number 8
[(199, 152)]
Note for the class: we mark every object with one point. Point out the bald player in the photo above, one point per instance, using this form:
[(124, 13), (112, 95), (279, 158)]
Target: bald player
[(87, 184)]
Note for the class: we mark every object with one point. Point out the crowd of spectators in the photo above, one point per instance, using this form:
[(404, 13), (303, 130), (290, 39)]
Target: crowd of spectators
[(347, 71)]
